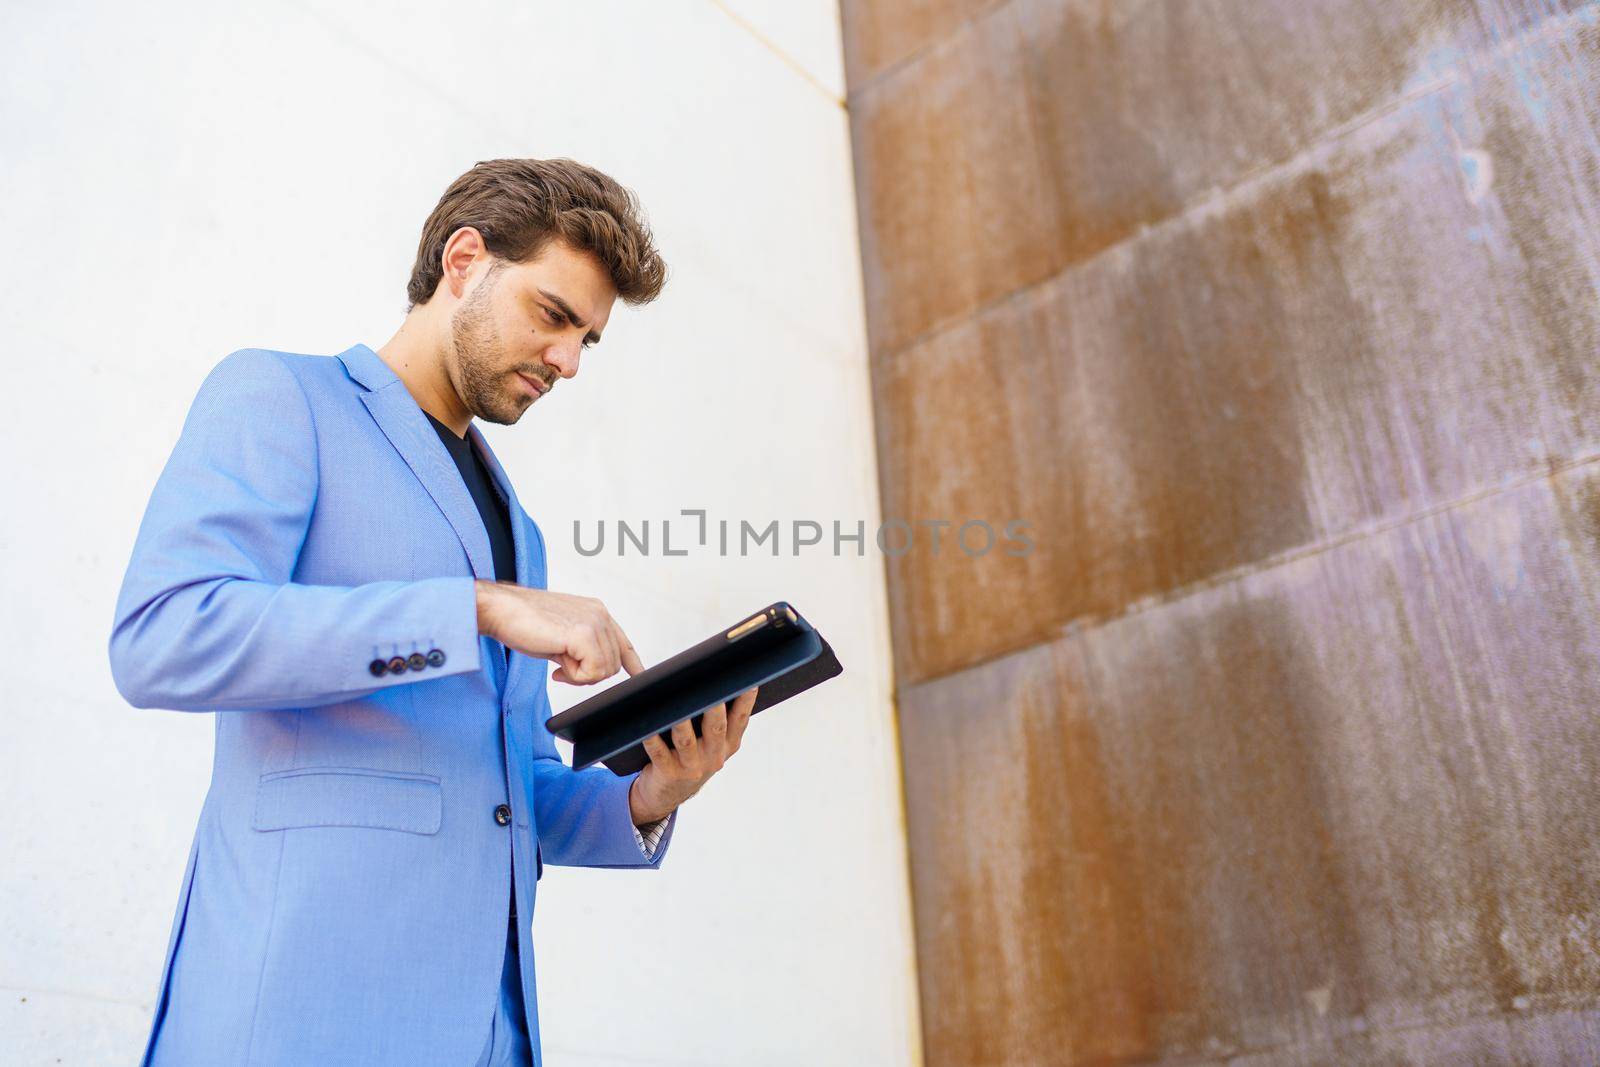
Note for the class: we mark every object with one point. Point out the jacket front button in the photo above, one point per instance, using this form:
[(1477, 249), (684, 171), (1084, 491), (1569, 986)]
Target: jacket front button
[(502, 815)]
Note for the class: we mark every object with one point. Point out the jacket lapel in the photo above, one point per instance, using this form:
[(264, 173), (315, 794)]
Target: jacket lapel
[(408, 429)]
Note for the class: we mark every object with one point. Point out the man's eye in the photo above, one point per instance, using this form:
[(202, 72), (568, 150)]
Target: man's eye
[(555, 318)]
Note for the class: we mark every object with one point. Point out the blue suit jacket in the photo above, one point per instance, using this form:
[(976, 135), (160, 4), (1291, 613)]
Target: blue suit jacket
[(347, 891)]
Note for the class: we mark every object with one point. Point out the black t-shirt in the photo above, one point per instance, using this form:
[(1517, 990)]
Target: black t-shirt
[(491, 509), (497, 521)]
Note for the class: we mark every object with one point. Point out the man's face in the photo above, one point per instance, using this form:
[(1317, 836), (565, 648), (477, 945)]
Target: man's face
[(523, 325)]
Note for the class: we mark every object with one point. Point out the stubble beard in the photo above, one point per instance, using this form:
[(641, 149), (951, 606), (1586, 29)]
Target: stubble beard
[(479, 357)]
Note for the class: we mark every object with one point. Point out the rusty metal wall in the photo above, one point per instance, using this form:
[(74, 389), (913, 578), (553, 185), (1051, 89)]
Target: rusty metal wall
[(1280, 323)]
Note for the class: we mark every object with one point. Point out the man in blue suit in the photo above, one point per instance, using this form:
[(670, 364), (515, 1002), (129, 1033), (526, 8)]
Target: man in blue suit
[(335, 563)]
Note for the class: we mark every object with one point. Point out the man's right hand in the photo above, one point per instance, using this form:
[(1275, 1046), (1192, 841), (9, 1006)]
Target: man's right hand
[(576, 633)]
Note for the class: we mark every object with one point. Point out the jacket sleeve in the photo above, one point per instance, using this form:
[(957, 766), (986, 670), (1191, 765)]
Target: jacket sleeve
[(583, 816), (207, 618)]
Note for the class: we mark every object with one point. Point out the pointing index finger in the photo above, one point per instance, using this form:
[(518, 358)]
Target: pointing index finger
[(630, 658)]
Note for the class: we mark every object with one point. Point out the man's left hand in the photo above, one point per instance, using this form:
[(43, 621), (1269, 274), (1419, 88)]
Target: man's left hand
[(675, 774)]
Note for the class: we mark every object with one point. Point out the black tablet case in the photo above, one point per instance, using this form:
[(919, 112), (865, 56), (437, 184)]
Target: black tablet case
[(784, 655)]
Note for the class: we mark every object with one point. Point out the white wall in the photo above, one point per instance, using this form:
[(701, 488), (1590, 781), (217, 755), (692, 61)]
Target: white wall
[(184, 182)]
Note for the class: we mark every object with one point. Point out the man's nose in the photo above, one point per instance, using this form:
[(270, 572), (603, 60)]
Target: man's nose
[(564, 356)]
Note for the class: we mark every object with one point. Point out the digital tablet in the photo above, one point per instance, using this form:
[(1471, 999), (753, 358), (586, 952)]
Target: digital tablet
[(776, 649)]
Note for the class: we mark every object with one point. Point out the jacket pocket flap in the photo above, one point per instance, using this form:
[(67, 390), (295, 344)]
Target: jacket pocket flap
[(348, 796)]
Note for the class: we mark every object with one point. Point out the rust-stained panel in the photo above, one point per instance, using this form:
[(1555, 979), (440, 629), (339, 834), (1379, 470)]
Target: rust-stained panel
[(1042, 132), (1405, 317), (882, 34), (1279, 324), (1339, 811)]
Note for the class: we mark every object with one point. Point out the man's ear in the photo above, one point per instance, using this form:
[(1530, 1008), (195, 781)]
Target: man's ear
[(463, 248)]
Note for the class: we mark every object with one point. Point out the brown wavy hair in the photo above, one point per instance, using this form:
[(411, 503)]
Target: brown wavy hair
[(520, 205)]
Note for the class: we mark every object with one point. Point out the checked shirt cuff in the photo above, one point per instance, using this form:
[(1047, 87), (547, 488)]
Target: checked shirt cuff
[(649, 836)]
